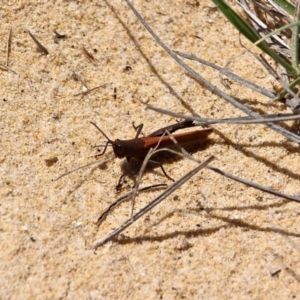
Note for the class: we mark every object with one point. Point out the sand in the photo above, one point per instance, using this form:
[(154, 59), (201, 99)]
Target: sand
[(213, 238)]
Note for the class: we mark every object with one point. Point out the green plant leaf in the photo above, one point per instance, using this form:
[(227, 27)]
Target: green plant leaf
[(244, 28)]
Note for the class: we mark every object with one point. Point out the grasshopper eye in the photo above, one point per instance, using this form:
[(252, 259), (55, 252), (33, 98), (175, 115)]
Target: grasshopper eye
[(119, 149)]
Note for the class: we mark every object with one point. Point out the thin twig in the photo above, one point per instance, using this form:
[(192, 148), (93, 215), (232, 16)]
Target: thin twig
[(8, 46), (7, 68), (89, 90), (89, 56), (78, 78), (237, 78), (289, 135), (155, 202), (230, 176), (229, 74), (243, 120), (269, 68), (255, 185), (150, 153), (124, 198), (260, 25), (58, 36), (40, 46), (139, 179)]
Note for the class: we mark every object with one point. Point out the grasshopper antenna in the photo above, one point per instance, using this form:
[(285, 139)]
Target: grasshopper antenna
[(109, 141)]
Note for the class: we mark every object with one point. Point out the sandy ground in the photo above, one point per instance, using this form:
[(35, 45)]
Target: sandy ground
[(213, 238)]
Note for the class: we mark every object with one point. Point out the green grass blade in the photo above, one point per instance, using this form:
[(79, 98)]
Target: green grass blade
[(288, 7), (295, 39), (283, 93), (243, 27)]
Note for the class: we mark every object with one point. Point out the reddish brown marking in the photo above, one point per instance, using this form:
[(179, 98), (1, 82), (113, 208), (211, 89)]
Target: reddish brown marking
[(182, 138)]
